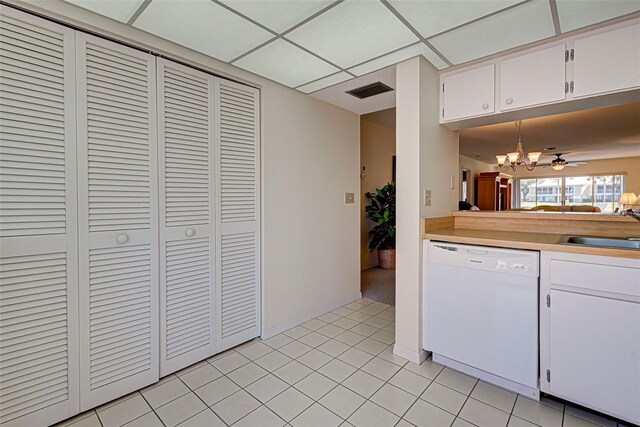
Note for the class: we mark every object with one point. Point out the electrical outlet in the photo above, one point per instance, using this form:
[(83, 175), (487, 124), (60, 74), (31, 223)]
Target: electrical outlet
[(427, 197), (349, 198)]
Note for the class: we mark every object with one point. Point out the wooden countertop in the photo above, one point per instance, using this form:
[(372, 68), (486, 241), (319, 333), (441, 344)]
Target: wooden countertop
[(534, 241), (543, 231), (542, 215)]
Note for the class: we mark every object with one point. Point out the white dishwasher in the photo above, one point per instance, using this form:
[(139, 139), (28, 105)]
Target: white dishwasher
[(482, 313)]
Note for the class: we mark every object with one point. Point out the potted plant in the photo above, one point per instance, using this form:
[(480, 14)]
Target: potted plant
[(382, 210)]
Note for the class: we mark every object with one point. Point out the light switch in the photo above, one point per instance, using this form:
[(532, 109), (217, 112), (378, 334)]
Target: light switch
[(349, 198), (427, 197)]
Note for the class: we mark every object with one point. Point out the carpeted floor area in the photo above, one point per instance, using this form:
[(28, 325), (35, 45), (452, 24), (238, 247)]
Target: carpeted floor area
[(379, 285)]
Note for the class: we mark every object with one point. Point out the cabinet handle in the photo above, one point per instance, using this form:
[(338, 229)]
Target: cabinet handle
[(190, 232), (509, 101), (122, 239), (485, 106)]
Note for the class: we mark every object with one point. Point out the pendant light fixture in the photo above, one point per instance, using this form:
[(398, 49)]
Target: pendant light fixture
[(516, 158)]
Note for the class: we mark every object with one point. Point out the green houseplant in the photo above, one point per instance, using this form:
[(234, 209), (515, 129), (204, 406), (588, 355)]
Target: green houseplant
[(382, 211)]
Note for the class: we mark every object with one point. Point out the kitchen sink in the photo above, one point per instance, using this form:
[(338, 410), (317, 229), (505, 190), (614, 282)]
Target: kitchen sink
[(605, 242)]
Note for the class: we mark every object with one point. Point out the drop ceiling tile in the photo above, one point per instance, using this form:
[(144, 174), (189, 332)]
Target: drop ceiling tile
[(121, 10), (353, 32), (515, 27), (576, 14), (433, 17), (278, 15), (285, 63), (399, 56), (202, 25), (325, 82)]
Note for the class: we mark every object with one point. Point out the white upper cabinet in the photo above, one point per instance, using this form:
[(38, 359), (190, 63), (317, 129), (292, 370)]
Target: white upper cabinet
[(533, 79), (469, 93), (607, 62), (118, 219), (38, 252), (601, 64)]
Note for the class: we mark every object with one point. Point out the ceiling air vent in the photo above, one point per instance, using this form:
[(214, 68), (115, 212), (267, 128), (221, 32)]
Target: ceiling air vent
[(369, 90)]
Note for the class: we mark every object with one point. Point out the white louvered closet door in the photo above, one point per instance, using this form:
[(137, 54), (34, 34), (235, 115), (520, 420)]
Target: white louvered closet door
[(38, 250), (118, 219), (238, 212), (187, 236)]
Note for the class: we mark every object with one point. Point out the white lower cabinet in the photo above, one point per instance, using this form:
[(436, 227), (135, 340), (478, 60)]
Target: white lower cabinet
[(590, 332), (129, 219)]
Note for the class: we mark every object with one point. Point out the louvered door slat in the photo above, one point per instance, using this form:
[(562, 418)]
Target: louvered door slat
[(117, 158), (238, 212), (187, 217), (38, 250)]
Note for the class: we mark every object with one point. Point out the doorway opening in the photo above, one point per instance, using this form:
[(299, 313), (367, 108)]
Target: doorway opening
[(377, 170)]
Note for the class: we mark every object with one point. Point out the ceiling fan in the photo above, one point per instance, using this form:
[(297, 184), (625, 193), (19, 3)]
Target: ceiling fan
[(559, 163)]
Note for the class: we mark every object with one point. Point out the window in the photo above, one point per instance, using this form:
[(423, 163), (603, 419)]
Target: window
[(602, 191)]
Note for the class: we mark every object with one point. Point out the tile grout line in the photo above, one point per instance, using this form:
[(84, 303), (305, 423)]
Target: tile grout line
[(196, 394), (316, 370), (231, 351), (349, 376), (193, 367), (153, 409), (272, 373)]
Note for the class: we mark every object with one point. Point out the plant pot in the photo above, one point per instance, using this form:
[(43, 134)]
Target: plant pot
[(387, 259)]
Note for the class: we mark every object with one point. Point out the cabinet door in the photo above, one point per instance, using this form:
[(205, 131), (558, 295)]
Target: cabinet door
[(187, 221), (38, 248), (118, 224), (607, 62), (594, 353), (238, 213), (533, 79), (469, 93)]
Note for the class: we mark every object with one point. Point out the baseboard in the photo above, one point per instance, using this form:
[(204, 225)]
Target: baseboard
[(416, 357), (268, 333)]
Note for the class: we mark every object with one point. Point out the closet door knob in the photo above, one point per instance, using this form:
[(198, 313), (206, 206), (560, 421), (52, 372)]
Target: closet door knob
[(485, 106), (122, 239), (509, 101), (190, 232)]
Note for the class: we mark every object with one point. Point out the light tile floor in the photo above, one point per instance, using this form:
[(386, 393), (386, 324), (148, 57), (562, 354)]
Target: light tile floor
[(336, 370)]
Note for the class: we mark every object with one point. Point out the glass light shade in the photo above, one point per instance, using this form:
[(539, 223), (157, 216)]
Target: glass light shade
[(513, 157), (533, 157), (558, 167), (501, 159), (627, 198), (637, 202)]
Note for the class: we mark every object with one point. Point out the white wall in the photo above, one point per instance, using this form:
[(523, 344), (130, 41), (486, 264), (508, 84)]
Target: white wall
[(377, 148), (476, 167), (628, 165), (312, 247), (310, 158), (427, 158)]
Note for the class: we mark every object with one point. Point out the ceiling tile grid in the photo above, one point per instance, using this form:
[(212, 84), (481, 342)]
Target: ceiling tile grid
[(311, 45)]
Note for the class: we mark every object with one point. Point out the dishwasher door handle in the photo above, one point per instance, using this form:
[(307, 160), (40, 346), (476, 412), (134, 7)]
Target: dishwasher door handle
[(477, 252)]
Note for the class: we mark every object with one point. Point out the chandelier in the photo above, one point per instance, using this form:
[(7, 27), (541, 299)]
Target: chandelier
[(517, 157)]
